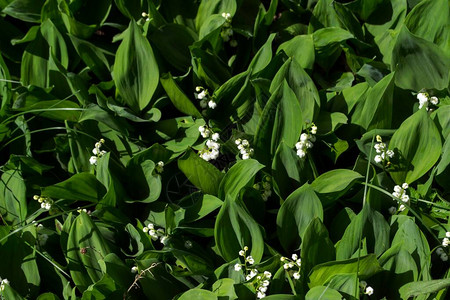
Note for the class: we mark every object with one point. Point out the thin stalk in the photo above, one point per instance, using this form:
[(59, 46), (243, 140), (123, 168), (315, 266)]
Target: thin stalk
[(364, 204)]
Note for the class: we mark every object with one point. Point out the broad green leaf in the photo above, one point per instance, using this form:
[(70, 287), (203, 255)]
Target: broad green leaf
[(324, 15), (301, 49), (224, 288), (143, 182), (173, 41), (322, 293), (79, 187), (34, 65), (19, 265), (295, 214), (198, 294), (366, 266), (208, 8), (178, 97), (418, 63), (416, 138), (55, 41), (234, 229), (205, 205), (317, 247), (429, 20), (201, 173), (13, 201), (302, 85), (335, 183), (263, 56), (413, 289), (136, 72), (375, 112), (280, 121), (25, 10), (328, 122), (85, 248), (365, 8), (47, 296), (289, 171), (93, 56), (209, 67), (370, 224), (327, 44), (117, 269), (414, 242), (239, 176)]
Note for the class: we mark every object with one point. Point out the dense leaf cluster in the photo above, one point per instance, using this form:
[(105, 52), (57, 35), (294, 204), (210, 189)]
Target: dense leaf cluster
[(170, 149)]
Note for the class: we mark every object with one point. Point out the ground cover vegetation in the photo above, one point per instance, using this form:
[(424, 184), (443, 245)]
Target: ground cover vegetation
[(235, 149)]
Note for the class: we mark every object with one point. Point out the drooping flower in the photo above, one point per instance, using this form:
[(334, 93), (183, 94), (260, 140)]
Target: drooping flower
[(306, 141)]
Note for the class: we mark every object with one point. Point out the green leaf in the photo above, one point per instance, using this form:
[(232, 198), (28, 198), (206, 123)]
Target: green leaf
[(143, 180), (239, 176), (93, 56), (224, 288), (418, 63), (366, 266), (375, 112), (428, 20), (79, 187), (335, 183), (414, 289), (47, 296), (85, 248), (173, 41), (136, 72), (178, 97), (234, 229), (301, 49), (414, 242), (198, 294), (13, 201), (263, 56), (323, 292), (289, 171), (317, 247), (200, 172), (279, 122), (295, 214), (25, 10), (302, 85), (416, 137)]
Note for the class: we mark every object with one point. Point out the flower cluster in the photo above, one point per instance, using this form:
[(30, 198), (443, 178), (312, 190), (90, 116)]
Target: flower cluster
[(262, 283), (46, 203), (306, 141), (262, 279), (227, 31), (400, 192), (159, 167), (446, 240), (97, 152), (264, 187), (146, 16), (3, 282), (425, 100), (244, 148), (441, 253), (156, 233), (382, 153), (205, 99), (365, 289), (295, 263), (211, 149)]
